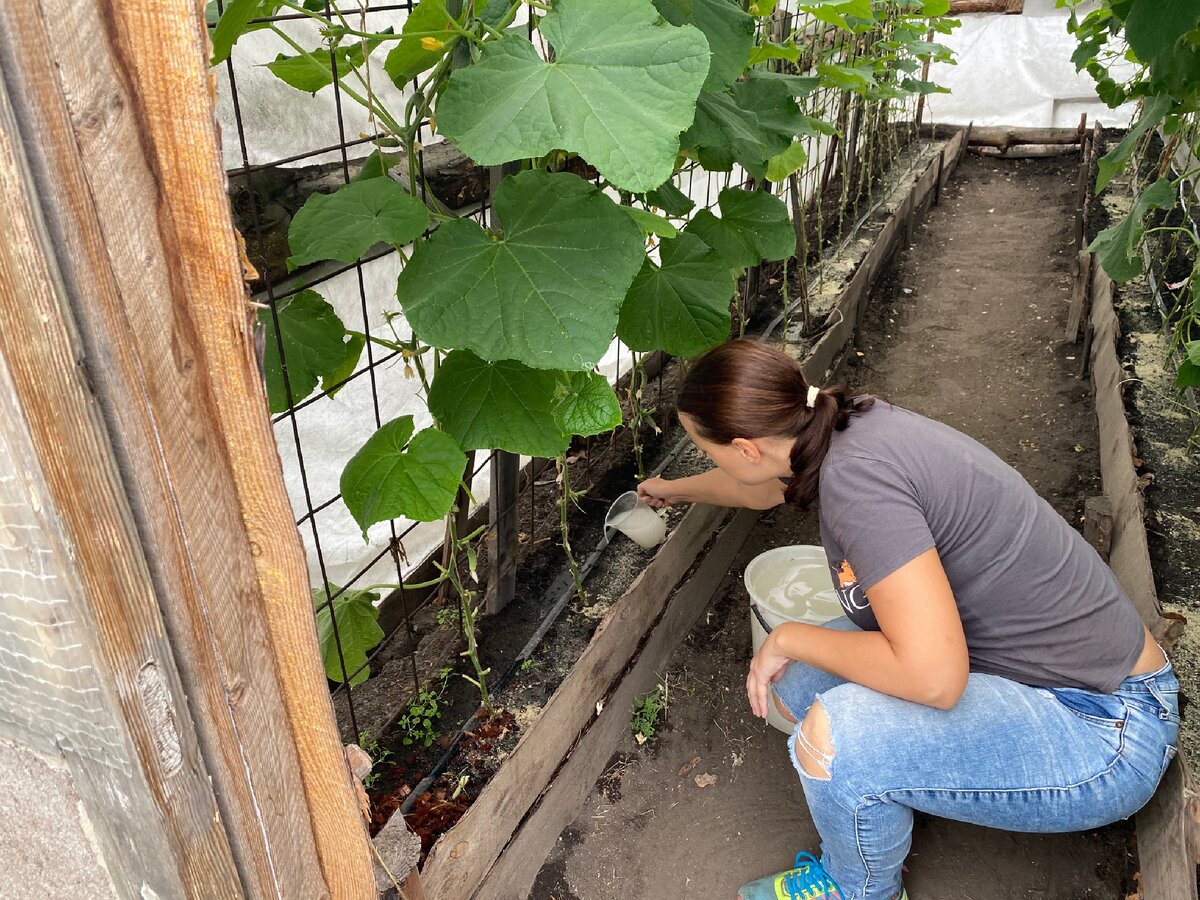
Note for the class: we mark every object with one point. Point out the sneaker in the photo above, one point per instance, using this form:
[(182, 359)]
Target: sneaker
[(807, 881)]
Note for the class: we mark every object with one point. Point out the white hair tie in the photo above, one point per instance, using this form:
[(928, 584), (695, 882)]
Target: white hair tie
[(813, 393)]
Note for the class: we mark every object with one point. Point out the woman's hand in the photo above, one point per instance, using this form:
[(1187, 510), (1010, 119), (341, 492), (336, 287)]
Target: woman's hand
[(656, 493), (767, 667)]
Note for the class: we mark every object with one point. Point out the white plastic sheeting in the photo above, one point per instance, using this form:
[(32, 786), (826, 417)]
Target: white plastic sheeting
[(1017, 70)]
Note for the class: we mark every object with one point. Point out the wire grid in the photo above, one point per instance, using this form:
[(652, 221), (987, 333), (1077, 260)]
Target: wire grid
[(810, 178)]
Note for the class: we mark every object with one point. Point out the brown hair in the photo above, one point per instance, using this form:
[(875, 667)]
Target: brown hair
[(747, 389)]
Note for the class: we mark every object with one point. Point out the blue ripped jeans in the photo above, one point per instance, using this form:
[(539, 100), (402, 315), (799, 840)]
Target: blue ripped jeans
[(1007, 756)]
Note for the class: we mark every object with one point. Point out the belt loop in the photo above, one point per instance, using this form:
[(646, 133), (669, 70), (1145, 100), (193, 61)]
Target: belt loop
[(1165, 711)]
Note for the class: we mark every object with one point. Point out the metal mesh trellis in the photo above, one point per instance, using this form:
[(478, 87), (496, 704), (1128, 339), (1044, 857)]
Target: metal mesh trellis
[(364, 290)]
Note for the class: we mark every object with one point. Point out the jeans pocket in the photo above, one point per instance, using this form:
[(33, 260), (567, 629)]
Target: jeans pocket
[(1104, 710)]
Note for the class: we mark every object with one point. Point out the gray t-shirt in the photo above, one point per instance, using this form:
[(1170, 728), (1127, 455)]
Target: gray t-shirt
[(1037, 603)]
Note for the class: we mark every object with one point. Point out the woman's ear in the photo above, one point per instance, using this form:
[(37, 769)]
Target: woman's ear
[(750, 451)]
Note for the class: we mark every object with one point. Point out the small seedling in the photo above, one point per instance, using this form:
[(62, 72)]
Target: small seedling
[(528, 664), (380, 756), (418, 723), (646, 712)]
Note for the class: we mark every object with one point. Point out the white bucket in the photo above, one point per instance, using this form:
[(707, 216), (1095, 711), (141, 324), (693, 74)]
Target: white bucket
[(789, 584), (633, 518)]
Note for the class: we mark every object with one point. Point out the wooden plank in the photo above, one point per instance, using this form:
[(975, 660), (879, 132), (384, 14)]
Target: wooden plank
[(1008, 7), (117, 110), (1079, 295), (1098, 523), (845, 316), (87, 672), (169, 52), (462, 856), (1165, 827), (951, 156), (517, 868), (1005, 136), (1130, 554), (502, 536)]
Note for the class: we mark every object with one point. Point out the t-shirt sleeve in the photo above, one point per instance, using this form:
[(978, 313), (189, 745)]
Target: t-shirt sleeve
[(874, 514)]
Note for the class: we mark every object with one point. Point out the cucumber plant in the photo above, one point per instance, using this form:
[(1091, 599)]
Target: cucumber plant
[(509, 321)]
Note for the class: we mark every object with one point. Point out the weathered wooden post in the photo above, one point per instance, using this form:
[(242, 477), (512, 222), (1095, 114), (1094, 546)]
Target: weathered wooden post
[(165, 726)]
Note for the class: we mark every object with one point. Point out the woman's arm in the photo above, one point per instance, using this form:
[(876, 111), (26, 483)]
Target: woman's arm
[(713, 486), (919, 654)]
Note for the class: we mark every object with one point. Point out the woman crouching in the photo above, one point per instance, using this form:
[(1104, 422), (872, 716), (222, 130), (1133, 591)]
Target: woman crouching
[(989, 667)]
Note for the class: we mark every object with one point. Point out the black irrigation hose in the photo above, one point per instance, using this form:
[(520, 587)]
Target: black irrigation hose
[(566, 591)]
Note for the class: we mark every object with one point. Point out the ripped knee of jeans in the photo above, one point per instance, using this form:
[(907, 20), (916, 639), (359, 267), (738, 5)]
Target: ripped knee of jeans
[(814, 743)]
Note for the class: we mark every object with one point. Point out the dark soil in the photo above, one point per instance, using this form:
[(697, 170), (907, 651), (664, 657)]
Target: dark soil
[(966, 327)]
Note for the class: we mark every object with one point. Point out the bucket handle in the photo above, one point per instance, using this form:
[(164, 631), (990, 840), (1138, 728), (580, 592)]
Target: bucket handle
[(758, 615)]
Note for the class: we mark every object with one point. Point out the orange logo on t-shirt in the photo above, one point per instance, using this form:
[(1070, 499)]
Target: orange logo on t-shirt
[(845, 575), (849, 591)]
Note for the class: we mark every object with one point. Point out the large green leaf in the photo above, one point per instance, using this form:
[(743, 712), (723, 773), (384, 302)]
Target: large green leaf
[(723, 132), (1114, 160), (1152, 26), (589, 405), (545, 291), (1189, 371), (358, 632), (621, 88), (749, 125), (314, 345), (847, 78), (409, 58), (681, 306), (1117, 245), (839, 13), (784, 164), (670, 199), (770, 50), (234, 22), (754, 226), (315, 71), (391, 476), (728, 28), (347, 223), (651, 223), (797, 85), (1188, 375), (334, 381), (498, 405)]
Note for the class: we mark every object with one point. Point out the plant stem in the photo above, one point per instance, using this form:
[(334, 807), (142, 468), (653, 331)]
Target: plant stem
[(565, 497), (468, 609)]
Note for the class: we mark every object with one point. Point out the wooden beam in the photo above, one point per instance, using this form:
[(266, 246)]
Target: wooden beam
[(502, 535), (1166, 837), (1004, 136), (1098, 524), (117, 112), (517, 868), (1130, 554), (1008, 7), (87, 672), (1080, 294), (462, 856)]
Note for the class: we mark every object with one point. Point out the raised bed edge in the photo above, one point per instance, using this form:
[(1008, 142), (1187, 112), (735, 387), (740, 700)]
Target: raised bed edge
[(1166, 826)]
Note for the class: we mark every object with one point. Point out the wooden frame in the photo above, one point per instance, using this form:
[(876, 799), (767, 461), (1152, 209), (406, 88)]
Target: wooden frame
[(127, 352)]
